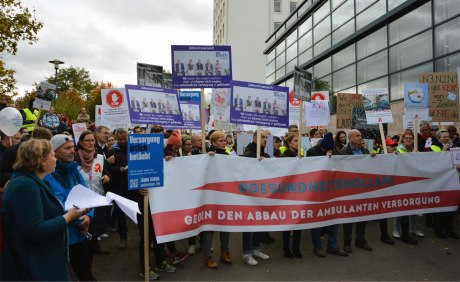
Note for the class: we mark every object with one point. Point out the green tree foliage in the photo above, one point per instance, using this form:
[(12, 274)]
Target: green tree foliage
[(73, 78), (17, 23), (94, 98)]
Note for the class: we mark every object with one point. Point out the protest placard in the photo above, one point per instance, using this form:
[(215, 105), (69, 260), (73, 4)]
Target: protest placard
[(442, 95), (220, 104), (46, 93), (376, 104), (201, 66), (345, 104), (78, 129), (190, 106), (302, 84), (317, 112), (259, 104), (145, 161), (154, 105), (115, 110)]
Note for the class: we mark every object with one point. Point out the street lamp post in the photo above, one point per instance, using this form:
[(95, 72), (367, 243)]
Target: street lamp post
[(56, 63)]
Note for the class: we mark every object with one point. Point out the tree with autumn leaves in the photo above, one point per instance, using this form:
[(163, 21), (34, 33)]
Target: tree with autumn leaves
[(17, 23)]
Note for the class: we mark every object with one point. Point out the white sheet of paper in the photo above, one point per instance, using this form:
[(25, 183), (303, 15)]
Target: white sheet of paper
[(83, 198), (455, 152), (130, 208)]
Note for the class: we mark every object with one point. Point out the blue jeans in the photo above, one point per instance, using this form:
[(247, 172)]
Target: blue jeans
[(331, 237)]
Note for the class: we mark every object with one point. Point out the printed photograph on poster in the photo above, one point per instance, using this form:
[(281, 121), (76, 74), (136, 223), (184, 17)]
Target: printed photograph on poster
[(150, 75), (145, 161), (264, 105), (46, 93), (377, 106), (415, 95), (302, 84), (201, 66), (154, 105), (190, 104), (220, 103)]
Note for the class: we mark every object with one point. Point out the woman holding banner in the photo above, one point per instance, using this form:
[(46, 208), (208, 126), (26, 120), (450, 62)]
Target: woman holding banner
[(403, 223), (292, 142), (218, 142)]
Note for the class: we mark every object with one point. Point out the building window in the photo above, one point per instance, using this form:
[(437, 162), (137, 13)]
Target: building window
[(445, 9), (276, 25), (372, 43), (373, 67), (344, 78), (398, 80), (447, 37), (343, 14), (277, 6), (369, 15), (417, 20), (378, 83), (449, 63), (292, 7), (343, 58), (412, 51)]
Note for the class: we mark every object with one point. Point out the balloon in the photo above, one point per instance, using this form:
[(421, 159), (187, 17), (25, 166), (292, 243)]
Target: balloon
[(10, 121)]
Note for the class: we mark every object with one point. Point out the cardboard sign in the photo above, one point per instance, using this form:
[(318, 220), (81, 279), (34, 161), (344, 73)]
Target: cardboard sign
[(443, 99), (345, 104)]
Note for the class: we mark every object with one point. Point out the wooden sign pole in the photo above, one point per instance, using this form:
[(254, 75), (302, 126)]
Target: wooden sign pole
[(258, 142), (146, 239), (382, 137), (300, 129), (203, 123), (415, 135)]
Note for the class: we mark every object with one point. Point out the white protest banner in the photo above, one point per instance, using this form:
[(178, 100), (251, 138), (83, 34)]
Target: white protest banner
[(115, 109), (316, 112), (248, 195), (377, 106), (78, 129)]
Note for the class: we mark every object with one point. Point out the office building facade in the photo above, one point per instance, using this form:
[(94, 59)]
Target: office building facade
[(351, 45)]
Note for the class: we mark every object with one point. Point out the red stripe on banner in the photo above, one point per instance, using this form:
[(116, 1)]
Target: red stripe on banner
[(167, 223), (308, 186)]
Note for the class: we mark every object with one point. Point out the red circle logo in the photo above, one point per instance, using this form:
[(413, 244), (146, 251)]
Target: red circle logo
[(114, 99), (293, 101), (317, 96)]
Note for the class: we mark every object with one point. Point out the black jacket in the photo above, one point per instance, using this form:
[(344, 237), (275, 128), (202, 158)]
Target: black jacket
[(251, 151), (316, 151)]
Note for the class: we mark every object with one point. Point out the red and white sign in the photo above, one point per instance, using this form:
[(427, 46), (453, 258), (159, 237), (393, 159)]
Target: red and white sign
[(115, 112), (114, 98), (78, 129), (244, 194), (320, 95)]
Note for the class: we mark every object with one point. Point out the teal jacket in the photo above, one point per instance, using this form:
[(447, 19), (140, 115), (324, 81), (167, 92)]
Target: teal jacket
[(35, 228), (61, 181)]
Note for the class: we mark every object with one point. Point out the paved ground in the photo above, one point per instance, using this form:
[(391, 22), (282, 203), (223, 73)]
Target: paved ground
[(431, 260)]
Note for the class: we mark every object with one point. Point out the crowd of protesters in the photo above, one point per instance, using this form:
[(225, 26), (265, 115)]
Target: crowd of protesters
[(41, 164)]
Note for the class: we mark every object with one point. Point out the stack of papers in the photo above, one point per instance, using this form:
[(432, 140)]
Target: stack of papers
[(84, 198)]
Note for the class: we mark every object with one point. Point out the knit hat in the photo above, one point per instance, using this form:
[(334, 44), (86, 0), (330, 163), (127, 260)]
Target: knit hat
[(60, 139), (175, 139), (185, 138), (327, 142)]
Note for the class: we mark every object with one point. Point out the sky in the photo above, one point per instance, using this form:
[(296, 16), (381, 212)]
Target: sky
[(109, 37)]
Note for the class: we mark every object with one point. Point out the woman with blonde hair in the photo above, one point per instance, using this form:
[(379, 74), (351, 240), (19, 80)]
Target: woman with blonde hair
[(34, 218)]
